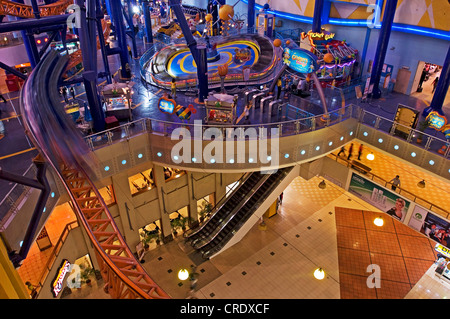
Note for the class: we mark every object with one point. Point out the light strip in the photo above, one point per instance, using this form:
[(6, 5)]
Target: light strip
[(439, 34)]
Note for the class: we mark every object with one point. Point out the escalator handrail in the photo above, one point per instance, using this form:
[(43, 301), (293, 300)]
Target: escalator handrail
[(241, 222), (192, 232), (235, 211)]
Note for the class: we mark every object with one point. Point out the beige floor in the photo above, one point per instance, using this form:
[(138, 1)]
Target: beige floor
[(276, 263)]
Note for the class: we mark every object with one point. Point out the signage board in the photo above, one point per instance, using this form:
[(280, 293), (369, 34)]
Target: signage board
[(166, 105), (57, 283), (300, 60)]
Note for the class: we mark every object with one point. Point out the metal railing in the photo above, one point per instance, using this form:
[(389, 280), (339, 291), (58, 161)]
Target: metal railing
[(54, 254), (401, 191), (264, 130)]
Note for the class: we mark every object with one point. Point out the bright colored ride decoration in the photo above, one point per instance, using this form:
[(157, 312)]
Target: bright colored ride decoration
[(436, 121), (166, 105), (184, 113), (300, 60)]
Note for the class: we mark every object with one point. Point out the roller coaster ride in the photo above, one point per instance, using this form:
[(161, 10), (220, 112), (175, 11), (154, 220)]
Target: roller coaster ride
[(61, 146)]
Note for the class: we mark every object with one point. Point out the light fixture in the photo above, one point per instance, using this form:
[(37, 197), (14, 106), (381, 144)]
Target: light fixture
[(319, 274), (322, 184), (370, 157), (378, 221), (421, 184), (183, 274)]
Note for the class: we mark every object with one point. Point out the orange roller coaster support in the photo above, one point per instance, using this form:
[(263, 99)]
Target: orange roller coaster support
[(124, 276), (25, 11)]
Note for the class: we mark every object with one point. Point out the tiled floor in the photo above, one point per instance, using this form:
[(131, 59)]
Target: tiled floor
[(437, 190), (403, 255)]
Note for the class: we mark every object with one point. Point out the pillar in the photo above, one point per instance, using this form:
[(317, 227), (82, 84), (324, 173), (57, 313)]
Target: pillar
[(117, 18), (317, 19), (441, 88), (148, 21), (251, 15), (383, 41), (90, 67)]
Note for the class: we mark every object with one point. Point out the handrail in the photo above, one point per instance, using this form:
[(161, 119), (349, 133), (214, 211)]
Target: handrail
[(218, 206), (205, 241), (441, 211), (283, 174), (54, 254)]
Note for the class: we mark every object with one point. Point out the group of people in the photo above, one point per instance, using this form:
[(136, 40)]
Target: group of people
[(63, 92), (350, 151), (427, 71)]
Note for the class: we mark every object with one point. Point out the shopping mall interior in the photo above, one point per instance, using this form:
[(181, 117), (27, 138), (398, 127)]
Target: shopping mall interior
[(224, 150)]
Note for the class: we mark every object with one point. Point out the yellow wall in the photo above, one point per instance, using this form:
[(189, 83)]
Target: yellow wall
[(11, 286)]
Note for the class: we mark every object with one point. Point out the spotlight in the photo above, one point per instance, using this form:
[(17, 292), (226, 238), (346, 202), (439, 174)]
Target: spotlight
[(421, 184), (319, 274), (378, 221), (370, 157), (322, 184)]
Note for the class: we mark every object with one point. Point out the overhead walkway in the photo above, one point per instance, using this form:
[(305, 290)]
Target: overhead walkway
[(45, 121)]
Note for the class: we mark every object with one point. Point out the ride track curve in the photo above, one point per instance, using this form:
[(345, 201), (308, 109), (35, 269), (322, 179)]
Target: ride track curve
[(63, 147), (26, 11)]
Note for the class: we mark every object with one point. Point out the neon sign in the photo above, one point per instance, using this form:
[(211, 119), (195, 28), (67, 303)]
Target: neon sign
[(166, 105), (300, 60), (317, 36), (57, 284), (436, 121)]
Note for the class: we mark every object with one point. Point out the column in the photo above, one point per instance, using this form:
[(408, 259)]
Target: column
[(317, 19), (251, 15), (441, 88), (148, 21), (383, 41)]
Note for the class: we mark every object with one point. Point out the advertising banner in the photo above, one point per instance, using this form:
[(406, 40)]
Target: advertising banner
[(383, 199), (430, 225)]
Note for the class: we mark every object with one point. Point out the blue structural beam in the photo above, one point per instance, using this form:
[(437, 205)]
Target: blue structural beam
[(148, 21), (202, 74), (251, 14), (442, 88), (119, 28), (87, 35), (317, 18), (129, 20), (383, 41), (101, 39)]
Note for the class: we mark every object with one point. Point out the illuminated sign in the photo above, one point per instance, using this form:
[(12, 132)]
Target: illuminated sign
[(436, 121), (443, 250), (317, 36), (57, 284), (300, 60), (166, 105)]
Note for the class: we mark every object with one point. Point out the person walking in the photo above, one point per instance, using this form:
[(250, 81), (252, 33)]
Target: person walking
[(72, 92), (360, 150), (395, 182), (350, 152), (64, 94), (281, 198), (341, 151), (435, 82), (279, 86), (174, 88)]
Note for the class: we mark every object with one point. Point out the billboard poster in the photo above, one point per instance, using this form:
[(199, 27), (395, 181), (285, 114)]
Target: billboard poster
[(383, 199), (300, 60), (430, 225)]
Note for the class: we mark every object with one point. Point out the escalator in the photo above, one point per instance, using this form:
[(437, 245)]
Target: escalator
[(243, 205), (225, 208)]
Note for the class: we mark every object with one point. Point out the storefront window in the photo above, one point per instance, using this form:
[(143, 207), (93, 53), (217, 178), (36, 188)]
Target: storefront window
[(107, 194), (141, 182), (172, 173), (150, 235), (180, 220), (204, 206)]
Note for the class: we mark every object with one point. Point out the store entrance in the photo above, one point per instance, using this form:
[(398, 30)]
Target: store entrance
[(425, 80)]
